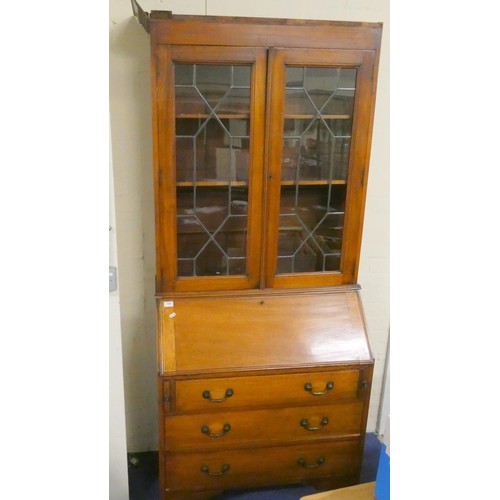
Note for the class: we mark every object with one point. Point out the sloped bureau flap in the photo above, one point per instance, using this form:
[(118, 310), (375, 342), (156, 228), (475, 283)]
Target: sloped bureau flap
[(232, 333)]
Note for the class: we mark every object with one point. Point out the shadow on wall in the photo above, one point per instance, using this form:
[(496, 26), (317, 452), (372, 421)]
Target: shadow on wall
[(131, 131)]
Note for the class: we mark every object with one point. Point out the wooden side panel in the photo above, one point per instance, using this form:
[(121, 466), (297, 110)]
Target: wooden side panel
[(167, 337)]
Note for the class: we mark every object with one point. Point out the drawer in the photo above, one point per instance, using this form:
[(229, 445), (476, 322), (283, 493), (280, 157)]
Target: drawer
[(284, 390), (261, 466), (221, 429)]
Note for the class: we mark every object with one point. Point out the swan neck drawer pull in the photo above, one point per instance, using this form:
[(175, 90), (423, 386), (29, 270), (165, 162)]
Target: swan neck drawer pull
[(305, 423), (206, 430), (309, 388), (206, 470), (206, 395), (302, 461)]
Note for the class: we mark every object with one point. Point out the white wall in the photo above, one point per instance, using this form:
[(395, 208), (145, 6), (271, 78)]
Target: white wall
[(132, 156), (118, 470), (132, 159)]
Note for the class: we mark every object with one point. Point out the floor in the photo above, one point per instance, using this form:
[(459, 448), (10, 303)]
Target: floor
[(144, 485)]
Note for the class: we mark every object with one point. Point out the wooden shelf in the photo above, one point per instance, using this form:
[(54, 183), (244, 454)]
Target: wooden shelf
[(230, 116), (314, 182), (246, 116), (212, 184), (308, 117)]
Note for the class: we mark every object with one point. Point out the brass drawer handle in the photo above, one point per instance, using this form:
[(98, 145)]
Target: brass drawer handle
[(302, 461), (207, 395), (206, 430), (309, 388), (206, 470), (305, 423)]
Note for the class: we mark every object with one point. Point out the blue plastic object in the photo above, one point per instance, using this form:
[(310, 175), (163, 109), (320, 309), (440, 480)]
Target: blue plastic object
[(382, 483)]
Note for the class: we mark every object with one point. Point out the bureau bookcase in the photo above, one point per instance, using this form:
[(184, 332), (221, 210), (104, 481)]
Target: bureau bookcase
[(261, 140)]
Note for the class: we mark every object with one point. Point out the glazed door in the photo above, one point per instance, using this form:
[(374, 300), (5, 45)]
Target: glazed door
[(320, 108), (210, 117)]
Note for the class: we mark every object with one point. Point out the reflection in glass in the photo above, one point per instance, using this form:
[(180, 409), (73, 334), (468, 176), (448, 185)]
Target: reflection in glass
[(317, 128), (212, 231), (310, 234), (189, 103), (212, 106), (212, 261), (184, 159)]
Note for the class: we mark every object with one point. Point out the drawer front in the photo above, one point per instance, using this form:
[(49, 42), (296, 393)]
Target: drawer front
[(239, 392), (220, 429), (255, 467)]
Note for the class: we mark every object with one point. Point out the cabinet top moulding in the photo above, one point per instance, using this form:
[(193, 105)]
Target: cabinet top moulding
[(255, 32)]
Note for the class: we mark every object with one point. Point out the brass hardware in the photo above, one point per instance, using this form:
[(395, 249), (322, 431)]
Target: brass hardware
[(228, 394), (329, 386), (206, 430), (206, 470), (305, 423), (302, 461)]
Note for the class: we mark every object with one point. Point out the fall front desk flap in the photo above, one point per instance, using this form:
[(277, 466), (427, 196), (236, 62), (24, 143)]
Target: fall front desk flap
[(265, 331)]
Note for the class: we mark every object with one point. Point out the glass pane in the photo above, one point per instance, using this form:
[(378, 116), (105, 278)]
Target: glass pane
[(212, 138), (191, 240), (294, 77), (232, 236), (291, 159), (184, 158), (236, 101), (212, 207), (184, 74), (212, 142), (239, 201), (211, 231), (316, 148), (317, 129), (320, 84), (212, 261), (213, 82), (213, 110), (310, 229), (185, 202), (297, 102), (340, 105), (189, 103), (241, 76)]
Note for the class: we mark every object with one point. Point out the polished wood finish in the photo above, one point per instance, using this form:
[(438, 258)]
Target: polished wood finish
[(254, 419), (254, 32), (195, 39), (261, 466), (166, 257), (264, 331), (264, 377), (262, 427), (261, 391), (364, 61)]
